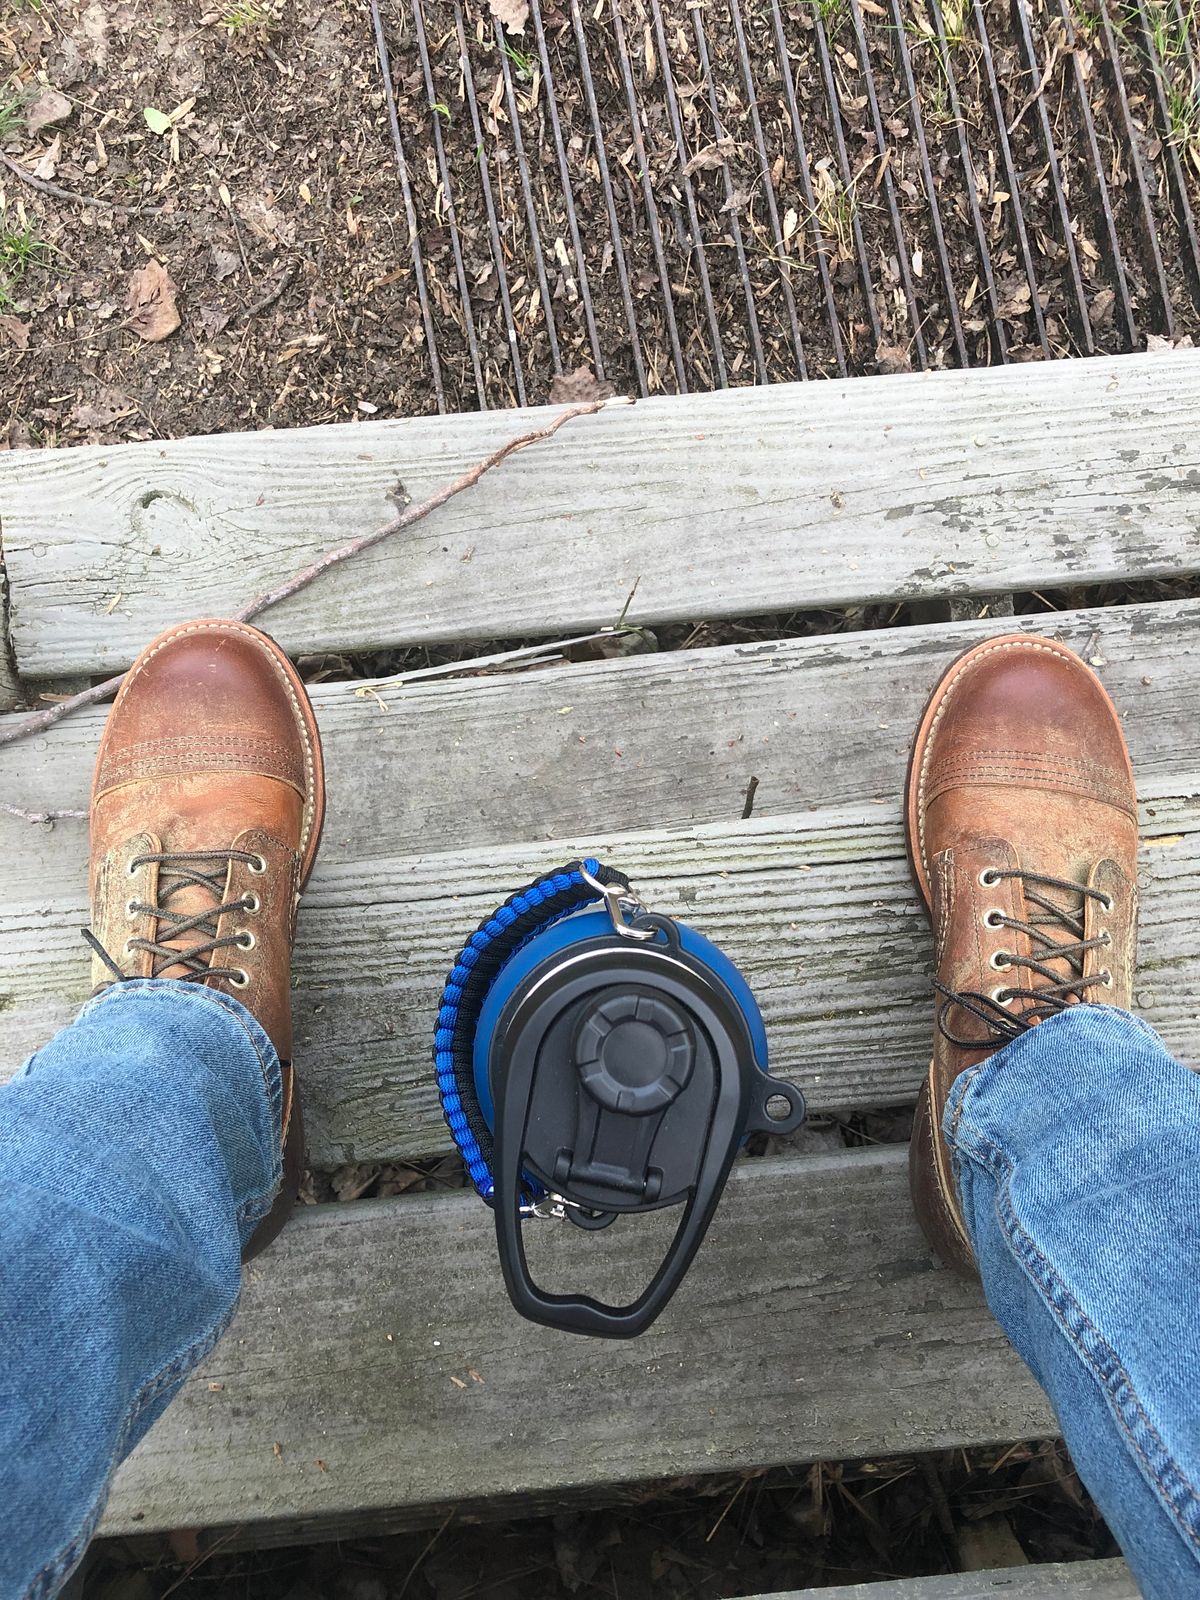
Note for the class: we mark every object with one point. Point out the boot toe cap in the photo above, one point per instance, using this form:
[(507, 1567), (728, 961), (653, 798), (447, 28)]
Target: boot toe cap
[(206, 696)]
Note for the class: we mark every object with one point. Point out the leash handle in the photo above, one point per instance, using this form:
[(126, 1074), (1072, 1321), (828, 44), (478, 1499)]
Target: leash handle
[(582, 1313), (742, 1097)]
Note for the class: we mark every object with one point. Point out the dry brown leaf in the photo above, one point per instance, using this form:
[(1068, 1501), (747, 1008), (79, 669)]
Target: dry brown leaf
[(14, 331), (153, 314), (893, 358), (511, 14), (48, 165), (712, 155), (1101, 309), (47, 109), (107, 406), (578, 387)]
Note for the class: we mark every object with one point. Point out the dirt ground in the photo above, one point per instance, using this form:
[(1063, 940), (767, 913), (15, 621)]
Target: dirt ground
[(271, 203), (251, 149)]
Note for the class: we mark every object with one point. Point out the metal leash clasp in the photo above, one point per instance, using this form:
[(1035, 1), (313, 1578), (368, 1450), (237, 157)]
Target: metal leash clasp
[(622, 907), (550, 1208)]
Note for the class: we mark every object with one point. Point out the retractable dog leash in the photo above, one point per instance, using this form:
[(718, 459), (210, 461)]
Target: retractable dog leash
[(598, 1063)]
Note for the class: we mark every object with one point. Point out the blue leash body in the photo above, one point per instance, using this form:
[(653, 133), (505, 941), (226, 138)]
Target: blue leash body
[(475, 970)]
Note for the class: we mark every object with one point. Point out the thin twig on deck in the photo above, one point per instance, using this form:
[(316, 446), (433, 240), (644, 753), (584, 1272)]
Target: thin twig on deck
[(40, 720), (37, 816), (411, 514)]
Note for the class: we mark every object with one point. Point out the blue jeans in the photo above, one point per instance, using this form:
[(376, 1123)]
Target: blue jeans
[(139, 1149), (1077, 1155)]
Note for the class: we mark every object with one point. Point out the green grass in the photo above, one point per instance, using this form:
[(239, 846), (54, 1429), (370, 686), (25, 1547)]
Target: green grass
[(20, 249), (12, 113), (246, 17), (522, 62), (1174, 33), (831, 12), (936, 106), (1087, 20), (954, 22), (920, 29)]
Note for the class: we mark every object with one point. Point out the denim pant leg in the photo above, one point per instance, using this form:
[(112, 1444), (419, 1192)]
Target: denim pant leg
[(138, 1150), (1077, 1154)]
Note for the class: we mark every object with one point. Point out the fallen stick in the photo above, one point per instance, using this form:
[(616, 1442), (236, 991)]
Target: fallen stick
[(40, 720), (57, 192), (410, 515), (37, 816)]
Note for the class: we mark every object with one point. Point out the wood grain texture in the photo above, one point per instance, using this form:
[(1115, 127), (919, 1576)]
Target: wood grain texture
[(648, 741), (750, 500), (1097, 1580), (827, 1331), (432, 823)]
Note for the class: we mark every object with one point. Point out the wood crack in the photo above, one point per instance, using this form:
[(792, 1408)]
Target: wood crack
[(10, 687)]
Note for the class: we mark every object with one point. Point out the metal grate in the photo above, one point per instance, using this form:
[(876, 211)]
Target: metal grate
[(693, 195)]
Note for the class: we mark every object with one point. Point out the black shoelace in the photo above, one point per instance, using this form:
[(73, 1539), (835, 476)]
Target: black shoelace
[(1059, 989), (179, 870)]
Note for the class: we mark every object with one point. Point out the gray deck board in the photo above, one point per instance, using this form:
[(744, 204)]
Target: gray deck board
[(431, 825), (656, 740), (826, 1331), (816, 909), (716, 505), (1097, 1580)]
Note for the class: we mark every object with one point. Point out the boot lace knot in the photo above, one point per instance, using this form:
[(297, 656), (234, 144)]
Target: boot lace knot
[(173, 944), (1063, 983)]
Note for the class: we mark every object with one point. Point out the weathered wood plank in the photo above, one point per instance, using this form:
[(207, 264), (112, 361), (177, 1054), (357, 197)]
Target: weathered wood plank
[(1098, 1580), (817, 910), (827, 1331), (816, 905), (649, 741), (750, 500)]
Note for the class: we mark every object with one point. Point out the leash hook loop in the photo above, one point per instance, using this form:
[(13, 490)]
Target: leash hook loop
[(622, 907)]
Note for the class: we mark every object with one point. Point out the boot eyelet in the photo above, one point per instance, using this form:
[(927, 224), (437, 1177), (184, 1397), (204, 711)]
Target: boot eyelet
[(129, 950), (993, 918), (1104, 936), (1000, 960), (1106, 978), (246, 940), (1107, 902), (133, 868), (1002, 996), (258, 866), (131, 910), (989, 877), (251, 903), (240, 979)]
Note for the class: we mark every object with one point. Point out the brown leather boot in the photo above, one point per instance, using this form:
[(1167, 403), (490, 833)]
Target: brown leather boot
[(1022, 833), (206, 815)]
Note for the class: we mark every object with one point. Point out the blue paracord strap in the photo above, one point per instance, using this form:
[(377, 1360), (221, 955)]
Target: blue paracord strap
[(479, 963)]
